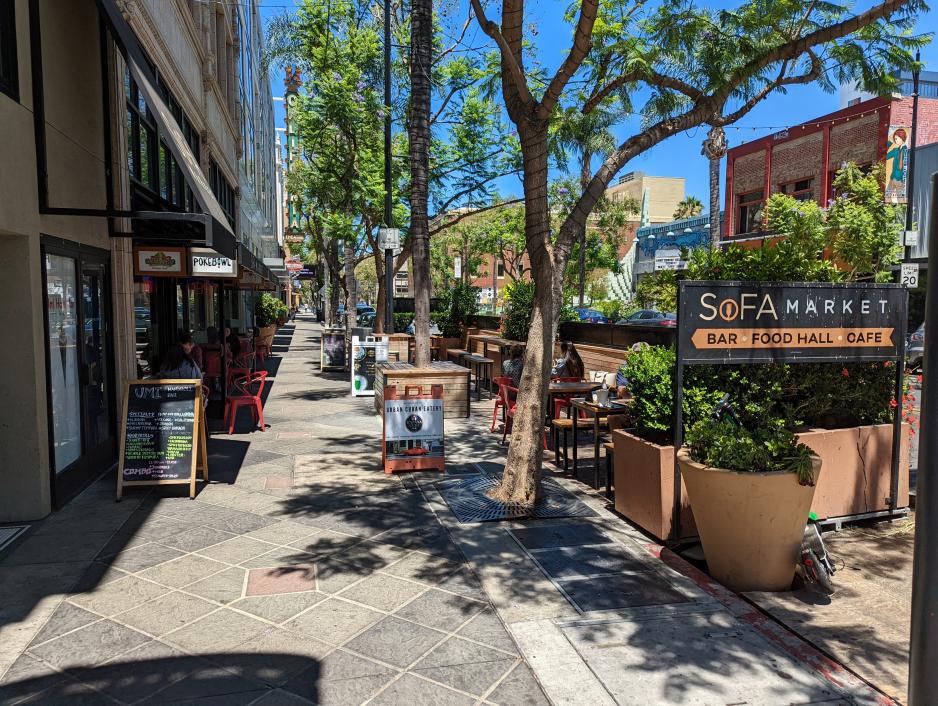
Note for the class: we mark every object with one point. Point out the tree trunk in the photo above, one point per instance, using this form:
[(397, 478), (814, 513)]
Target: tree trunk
[(421, 41), (380, 298), (715, 234), (521, 480), (350, 299), (585, 176)]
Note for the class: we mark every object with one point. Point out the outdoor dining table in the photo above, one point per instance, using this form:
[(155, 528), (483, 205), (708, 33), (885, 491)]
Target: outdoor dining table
[(570, 389), (597, 412)]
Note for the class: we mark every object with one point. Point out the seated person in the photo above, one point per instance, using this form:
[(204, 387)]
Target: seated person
[(570, 365), (178, 364), (514, 365)]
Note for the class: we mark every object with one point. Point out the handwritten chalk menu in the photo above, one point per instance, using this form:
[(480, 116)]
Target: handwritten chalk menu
[(162, 434)]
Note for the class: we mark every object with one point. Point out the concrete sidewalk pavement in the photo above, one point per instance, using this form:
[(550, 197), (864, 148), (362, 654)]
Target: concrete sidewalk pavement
[(302, 574)]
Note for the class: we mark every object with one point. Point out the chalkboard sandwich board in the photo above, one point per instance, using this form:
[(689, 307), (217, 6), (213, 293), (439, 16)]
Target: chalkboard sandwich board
[(162, 437)]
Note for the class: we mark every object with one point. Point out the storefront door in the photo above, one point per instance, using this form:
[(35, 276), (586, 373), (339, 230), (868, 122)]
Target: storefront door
[(79, 356)]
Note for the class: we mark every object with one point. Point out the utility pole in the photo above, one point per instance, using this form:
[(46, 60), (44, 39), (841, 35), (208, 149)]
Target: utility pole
[(388, 206), (923, 648), (910, 187)]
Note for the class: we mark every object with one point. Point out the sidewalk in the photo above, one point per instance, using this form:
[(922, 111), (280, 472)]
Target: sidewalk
[(303, 574)]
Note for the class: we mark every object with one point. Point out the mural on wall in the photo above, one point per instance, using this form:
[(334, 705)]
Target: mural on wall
[(897, 164), (694, 239)]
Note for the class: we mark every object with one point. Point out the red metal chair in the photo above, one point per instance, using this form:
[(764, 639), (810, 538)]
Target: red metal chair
[(561, 402), (212, 370), (499, 401), (246, 396), (509, 394), (243, 365)]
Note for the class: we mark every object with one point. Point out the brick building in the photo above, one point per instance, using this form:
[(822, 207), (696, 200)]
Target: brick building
[(802, 160)]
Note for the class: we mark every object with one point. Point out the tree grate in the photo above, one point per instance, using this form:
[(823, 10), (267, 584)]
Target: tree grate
[(467, 499)]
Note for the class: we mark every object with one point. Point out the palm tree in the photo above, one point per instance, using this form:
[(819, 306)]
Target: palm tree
[(586, 136), (421, 42), (714, 147), (688, 208)]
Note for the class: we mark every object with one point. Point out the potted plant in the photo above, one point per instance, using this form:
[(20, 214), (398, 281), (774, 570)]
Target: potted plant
[(267, 310), (751, 493)]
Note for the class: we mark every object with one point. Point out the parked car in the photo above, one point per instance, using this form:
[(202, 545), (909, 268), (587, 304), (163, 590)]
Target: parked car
[(649, 317), (591, 316), (915, 349), (367, 319)]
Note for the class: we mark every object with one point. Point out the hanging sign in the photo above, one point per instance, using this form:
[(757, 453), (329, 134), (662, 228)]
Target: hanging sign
[(293, 265), (162, 436), (457, 267), (160, 262), (413, 429), (669, 259), (205, 262), (365, 355), (332, 350), (743, 322)]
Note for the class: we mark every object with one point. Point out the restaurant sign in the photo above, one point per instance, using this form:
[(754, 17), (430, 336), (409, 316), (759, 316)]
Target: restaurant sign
[(764, 322), (205, 262)]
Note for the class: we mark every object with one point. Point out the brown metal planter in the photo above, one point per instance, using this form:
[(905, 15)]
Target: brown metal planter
[(644, 483), (750, 524)]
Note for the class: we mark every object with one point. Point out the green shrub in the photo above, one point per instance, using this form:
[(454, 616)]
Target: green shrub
[(458, 304), (762, 450), (516, 314), (267, 309), (402, 320)]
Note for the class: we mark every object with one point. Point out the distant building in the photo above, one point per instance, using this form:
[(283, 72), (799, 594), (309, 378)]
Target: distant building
[(663, 194), (657, 242), (802, 160), (852, 94)]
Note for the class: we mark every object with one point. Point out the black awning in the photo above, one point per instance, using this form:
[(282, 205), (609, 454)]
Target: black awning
[(187, 229), (215, 232)]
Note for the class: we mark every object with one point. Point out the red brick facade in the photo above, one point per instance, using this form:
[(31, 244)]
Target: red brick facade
[(794, 160)]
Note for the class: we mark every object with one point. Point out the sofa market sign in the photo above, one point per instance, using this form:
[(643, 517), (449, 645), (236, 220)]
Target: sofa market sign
[(755, 322)]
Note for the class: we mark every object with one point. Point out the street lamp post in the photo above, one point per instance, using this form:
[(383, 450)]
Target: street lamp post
[(923, 647), (910, 194), (388, 207)]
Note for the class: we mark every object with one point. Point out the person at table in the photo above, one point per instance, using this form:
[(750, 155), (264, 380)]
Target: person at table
[(570, 365), (514, 366), (178, 364)]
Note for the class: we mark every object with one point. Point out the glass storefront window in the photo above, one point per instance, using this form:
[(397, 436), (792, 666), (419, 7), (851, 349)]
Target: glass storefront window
[(62, 313), (147, 357)]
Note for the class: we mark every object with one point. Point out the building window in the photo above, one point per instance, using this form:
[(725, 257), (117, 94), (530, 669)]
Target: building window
[(500, 269), (748, 211), (223, 190), (9, 80), (801, 190)]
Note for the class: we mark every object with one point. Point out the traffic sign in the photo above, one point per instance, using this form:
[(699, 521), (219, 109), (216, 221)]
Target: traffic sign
[(908, 277)]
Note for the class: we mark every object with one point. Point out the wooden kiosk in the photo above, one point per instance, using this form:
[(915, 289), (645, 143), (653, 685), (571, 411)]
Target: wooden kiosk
[(454, 379)]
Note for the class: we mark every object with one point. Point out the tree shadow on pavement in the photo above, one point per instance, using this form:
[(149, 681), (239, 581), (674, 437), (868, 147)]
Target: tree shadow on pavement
[(229, 678)]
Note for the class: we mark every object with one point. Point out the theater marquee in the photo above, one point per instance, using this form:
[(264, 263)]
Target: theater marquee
[(739, 322)]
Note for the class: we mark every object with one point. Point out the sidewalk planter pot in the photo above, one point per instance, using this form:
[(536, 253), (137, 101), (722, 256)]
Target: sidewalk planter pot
[(750, 524), (644, 483), (857, 463)]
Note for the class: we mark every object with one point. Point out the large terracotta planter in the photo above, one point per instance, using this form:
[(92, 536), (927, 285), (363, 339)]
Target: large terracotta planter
[(644, 483), (751, 524), (857, 463)]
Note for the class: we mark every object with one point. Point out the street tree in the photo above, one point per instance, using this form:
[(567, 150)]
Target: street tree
[(688, 207), (680, 66), (714, 148)]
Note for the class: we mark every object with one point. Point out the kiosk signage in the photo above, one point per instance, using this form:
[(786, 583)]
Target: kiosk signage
[(413, 429), (332, 350), (365, 355)]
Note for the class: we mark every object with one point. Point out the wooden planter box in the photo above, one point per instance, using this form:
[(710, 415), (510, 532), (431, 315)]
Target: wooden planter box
[(855, 476), (644, 483), (855, 469), (453, 378)]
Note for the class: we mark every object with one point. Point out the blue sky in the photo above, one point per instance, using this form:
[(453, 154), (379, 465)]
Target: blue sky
[(680, 155)]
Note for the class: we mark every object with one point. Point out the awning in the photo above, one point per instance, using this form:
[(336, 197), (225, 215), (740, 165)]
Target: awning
[(207, 229)]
